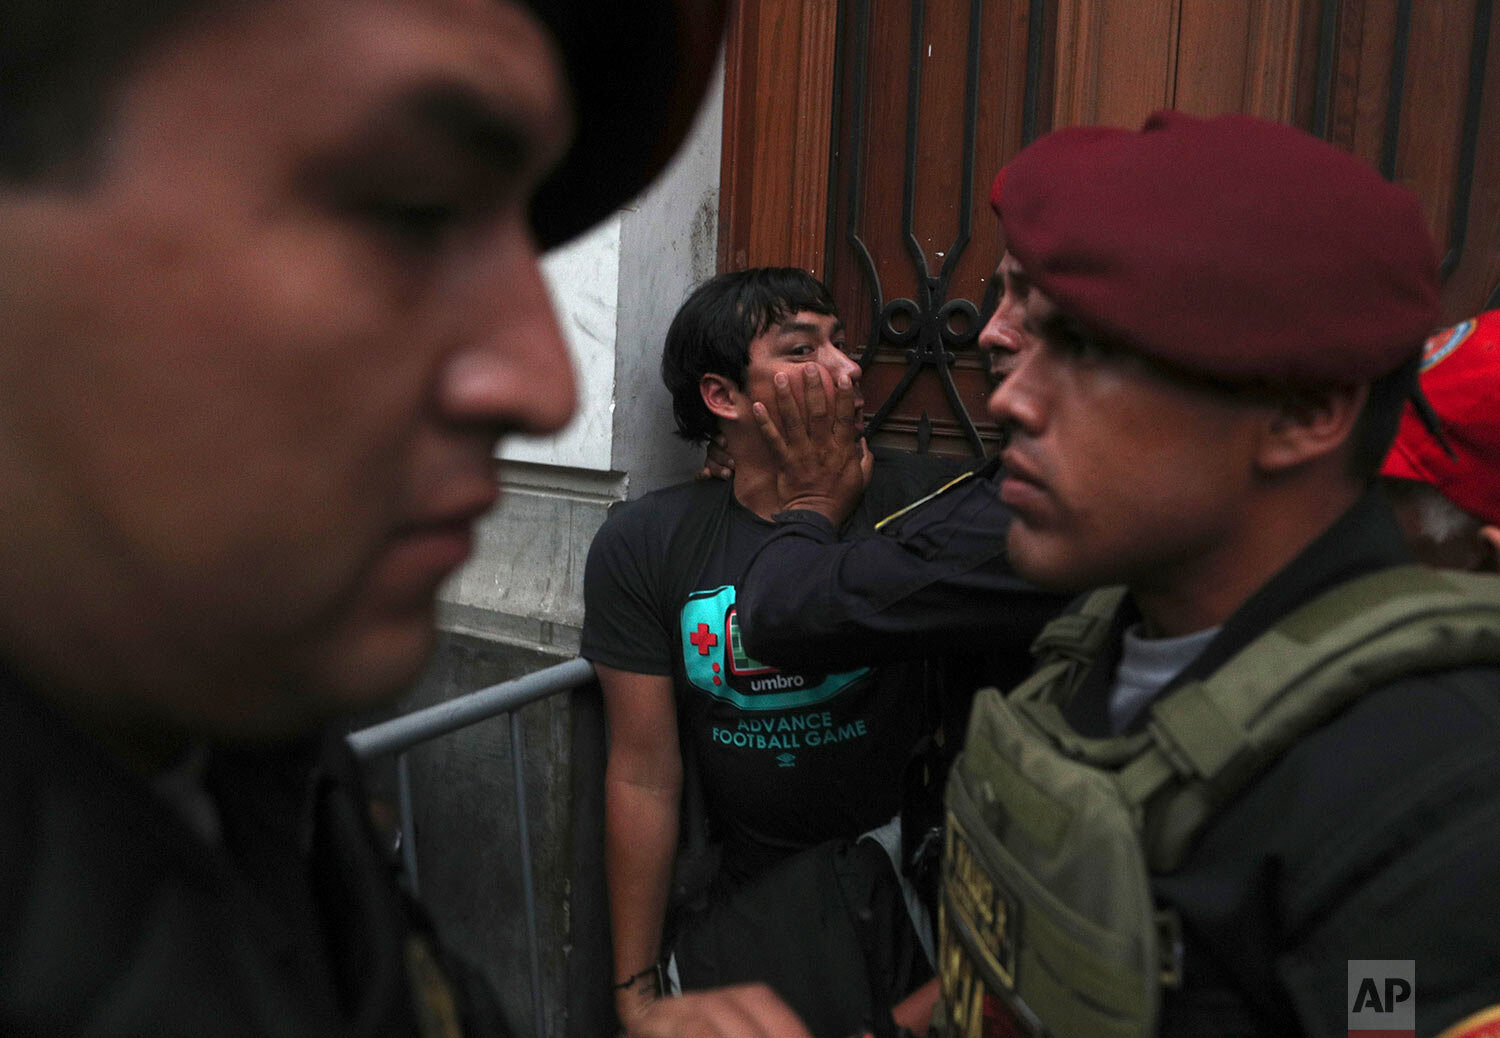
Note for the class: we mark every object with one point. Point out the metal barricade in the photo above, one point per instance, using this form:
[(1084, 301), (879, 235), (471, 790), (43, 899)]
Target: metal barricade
[(402, 733)]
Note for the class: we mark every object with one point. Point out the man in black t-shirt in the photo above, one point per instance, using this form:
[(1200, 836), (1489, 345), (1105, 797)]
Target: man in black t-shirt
[(788, 758)]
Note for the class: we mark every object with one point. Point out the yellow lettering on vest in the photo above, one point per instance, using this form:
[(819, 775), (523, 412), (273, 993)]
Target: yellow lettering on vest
[(978, 901), (963, 995)]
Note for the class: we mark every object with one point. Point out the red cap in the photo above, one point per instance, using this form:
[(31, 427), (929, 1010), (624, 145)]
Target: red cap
[(1461, 379), (1237, 248)]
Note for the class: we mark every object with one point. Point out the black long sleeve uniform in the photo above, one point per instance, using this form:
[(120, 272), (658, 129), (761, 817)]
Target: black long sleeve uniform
[(935, 580)]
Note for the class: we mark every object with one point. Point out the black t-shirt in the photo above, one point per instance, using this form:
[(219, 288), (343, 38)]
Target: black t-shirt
[(788, 758)]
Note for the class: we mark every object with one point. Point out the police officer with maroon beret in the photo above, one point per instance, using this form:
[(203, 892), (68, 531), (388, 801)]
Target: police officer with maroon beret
[(1255, 771), (1219, 322)]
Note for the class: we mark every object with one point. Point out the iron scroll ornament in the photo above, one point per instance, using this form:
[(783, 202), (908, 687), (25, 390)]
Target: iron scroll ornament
[(932, 328)]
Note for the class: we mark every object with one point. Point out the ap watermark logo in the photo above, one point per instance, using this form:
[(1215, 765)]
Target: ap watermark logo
[(1382, 998)]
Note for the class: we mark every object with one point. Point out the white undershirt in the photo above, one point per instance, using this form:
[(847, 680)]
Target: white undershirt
[(1146, 665)]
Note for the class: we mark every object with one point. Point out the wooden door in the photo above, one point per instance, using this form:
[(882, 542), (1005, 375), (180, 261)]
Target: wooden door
[(861, 137)]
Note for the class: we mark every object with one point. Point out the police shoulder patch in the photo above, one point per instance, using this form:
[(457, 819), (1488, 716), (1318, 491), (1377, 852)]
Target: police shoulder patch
[(919, 502)]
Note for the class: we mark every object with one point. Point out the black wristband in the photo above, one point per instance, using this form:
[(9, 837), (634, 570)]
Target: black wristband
[(653, 971)]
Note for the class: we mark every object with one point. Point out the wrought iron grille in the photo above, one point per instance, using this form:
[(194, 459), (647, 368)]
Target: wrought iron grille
[(932, 326)]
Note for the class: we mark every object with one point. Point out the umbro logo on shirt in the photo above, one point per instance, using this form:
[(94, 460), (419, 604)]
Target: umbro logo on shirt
[(715, 661)]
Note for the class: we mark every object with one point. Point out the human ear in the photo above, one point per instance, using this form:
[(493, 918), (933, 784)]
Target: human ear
[(722, 397), (1308, 426), (1490, 538)]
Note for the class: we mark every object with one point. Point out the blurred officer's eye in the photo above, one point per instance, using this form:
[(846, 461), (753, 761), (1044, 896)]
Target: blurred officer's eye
[(410, 224)]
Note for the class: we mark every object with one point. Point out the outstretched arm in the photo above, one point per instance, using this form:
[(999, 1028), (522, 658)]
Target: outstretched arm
[(936, 579), (642, 793)]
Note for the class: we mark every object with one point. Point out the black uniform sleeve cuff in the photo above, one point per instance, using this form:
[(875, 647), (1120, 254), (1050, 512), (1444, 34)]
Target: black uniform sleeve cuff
[(807, 515)]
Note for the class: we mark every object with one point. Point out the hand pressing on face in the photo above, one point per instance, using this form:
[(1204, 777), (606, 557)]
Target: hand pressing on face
[(822, 462)]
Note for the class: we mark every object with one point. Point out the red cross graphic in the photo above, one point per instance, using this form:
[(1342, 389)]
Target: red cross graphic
[(703, 639)]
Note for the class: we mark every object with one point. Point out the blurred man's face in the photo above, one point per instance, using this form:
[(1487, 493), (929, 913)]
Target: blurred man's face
[(252, 379)]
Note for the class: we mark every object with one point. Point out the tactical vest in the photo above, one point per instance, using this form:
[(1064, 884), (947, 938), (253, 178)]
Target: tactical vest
[(1047, 922)]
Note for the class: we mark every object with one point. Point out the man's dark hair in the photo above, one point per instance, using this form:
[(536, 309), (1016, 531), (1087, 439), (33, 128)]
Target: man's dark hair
[(60, 63), (712, 331), (1376, 428)]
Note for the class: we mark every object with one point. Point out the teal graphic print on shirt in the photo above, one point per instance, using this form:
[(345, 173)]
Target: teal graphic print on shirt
[(716, 661)]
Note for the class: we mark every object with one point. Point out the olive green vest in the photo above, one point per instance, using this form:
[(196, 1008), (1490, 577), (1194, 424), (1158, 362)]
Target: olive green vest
[(1047, 922)]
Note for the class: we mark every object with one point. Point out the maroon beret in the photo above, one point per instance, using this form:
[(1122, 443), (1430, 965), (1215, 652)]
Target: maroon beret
[(1233, 247)]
